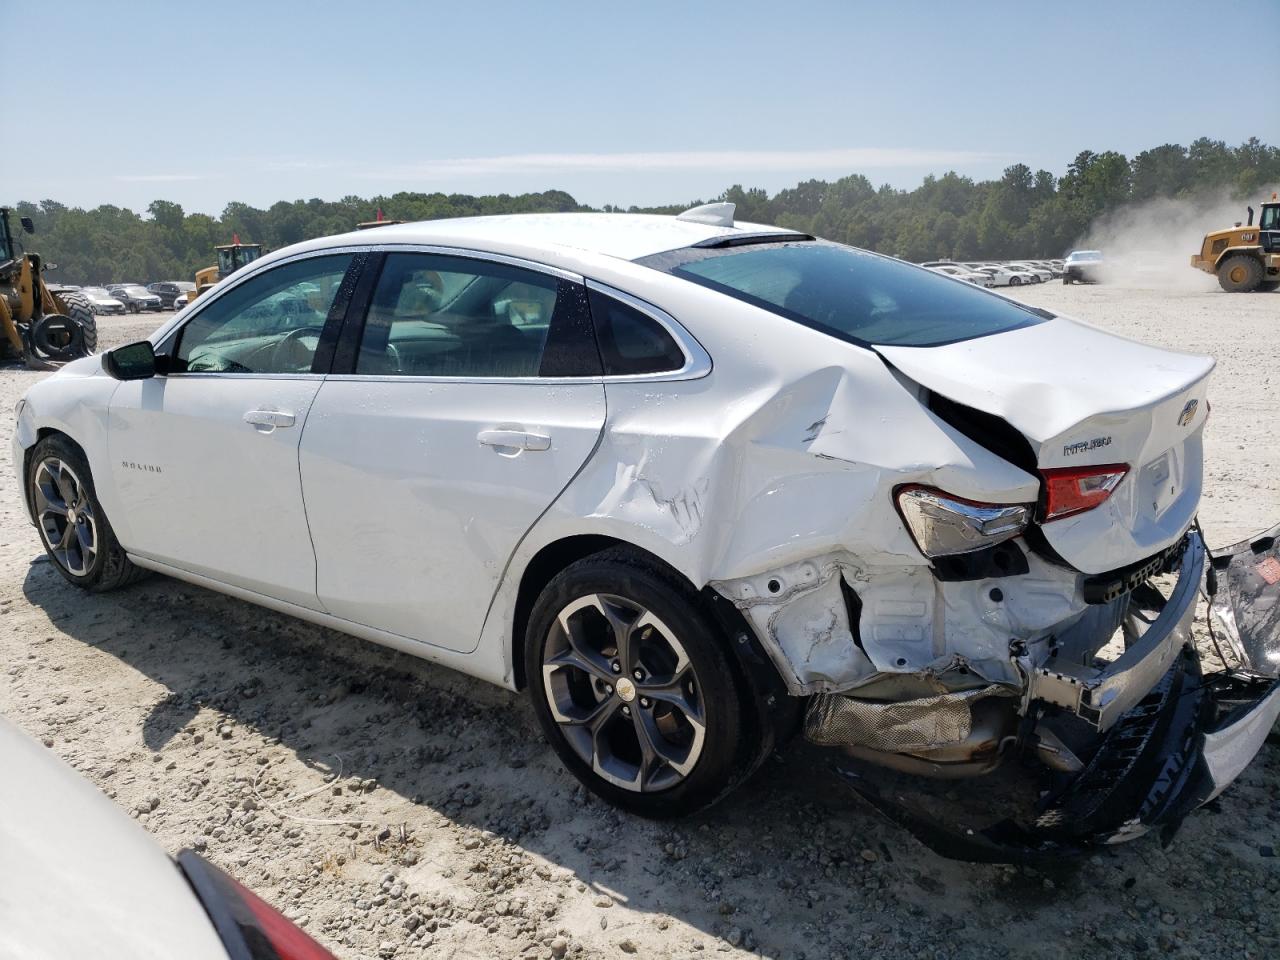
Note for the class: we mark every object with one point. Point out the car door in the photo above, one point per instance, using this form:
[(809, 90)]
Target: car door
[(205, 458), (471, 397)]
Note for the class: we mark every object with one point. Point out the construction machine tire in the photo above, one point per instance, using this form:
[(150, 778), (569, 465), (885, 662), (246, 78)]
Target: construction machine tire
[(1266, 286), (53, 339), (76, 306), (1240, 273)]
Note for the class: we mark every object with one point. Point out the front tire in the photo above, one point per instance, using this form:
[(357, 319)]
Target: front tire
[(1240, 273), (1015, 281), (73, 526), (632, 686)]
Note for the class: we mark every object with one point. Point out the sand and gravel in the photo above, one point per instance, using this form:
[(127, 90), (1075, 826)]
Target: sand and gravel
[(394, 808)]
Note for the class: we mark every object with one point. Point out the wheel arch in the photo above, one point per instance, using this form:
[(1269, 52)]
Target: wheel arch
[(1248, 251), (542, 568), (776, 713), (41, 434)]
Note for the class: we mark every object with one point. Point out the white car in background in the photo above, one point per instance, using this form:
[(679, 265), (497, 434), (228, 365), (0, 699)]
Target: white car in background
[(1041, 274), (686, 480), (1007, 276), (80, 879), (961, 273), (101, 302)]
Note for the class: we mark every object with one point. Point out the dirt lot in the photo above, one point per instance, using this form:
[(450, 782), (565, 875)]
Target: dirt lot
[(398, 809)]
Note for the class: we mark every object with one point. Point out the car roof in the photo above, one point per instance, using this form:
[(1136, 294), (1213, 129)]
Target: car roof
[(627, 236)]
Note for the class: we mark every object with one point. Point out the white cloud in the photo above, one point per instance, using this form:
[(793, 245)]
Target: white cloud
[(158, 177), (725, 161)]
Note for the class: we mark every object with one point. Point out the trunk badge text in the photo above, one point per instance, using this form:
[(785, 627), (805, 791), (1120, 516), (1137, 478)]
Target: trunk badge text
[(1083, 446)]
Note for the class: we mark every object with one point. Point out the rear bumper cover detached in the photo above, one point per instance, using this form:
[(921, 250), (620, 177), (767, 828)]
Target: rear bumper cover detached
[(1168, 737)]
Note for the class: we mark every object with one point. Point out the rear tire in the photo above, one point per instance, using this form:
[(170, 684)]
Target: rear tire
[(632, 686), (1266, 286), (73, 526), (1240, 273), (1015, 281)]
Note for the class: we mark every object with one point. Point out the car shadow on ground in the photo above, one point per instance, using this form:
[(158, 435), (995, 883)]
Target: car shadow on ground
[(792, 861)]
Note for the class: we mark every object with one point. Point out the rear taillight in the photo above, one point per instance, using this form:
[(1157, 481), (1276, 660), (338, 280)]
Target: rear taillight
[(1072, 490), (249, 927)]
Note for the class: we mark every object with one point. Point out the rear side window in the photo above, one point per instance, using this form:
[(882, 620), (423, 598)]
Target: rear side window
[(632, 342), (848, 293), (433, 315)]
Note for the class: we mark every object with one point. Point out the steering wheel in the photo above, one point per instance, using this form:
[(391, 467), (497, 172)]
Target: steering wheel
[(291, 354)]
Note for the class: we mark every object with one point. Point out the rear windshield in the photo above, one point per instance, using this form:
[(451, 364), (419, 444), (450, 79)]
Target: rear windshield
[(851, 294)]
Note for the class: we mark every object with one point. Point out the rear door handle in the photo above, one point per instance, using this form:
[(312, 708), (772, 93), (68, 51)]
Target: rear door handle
[(517, 439), (268, 420)]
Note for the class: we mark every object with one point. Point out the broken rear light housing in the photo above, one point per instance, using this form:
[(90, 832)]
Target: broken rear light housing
[(1072, 490), (249, 927), (945, 525)]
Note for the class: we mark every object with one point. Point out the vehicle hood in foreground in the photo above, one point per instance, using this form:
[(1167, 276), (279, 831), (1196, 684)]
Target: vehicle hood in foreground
[(81, 880), (1082, 397)]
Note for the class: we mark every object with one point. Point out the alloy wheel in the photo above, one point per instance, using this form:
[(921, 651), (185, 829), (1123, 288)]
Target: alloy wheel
[(65, 516), (624, 693)]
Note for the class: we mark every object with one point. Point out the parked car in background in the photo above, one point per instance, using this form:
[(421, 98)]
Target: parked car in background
[(678, 538), (180, 301), (101, 302), (136, 297), (962, 273), (1083, 266), (1041, 274), (1003, 276), (81, 879), (169, 290)]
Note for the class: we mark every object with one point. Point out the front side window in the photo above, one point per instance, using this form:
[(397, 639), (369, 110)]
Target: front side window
[(1270, 219), (270, 323), (850, 294), (433, 315)]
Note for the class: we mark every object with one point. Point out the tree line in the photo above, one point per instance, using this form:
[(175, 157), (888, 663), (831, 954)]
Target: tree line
[(1025, 213)]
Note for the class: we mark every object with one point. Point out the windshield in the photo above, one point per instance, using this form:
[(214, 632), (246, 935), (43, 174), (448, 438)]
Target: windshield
[(856, 296), (137, 291), (1085, 255)]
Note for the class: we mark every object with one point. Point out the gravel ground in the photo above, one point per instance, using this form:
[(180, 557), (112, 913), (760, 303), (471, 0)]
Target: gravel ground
[(394, 808)]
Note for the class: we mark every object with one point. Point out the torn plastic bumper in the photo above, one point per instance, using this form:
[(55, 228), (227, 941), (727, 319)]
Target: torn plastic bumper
[(1165, 750), (1101, 695)]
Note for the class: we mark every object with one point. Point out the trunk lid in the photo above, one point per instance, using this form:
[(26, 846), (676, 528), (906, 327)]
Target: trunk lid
[(1083, 397)]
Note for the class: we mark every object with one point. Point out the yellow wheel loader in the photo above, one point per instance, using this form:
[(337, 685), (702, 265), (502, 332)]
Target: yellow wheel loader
[(1245, 258), (231, 257), (41, 324)]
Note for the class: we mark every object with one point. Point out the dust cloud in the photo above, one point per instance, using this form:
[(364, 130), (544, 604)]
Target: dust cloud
[(1149, 245)]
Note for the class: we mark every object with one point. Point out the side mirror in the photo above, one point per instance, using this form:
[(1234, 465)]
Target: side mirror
[(133, 361), (28, 224)]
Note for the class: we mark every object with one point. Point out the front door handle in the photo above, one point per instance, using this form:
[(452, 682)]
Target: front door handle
[(267, 420), (514, 439)]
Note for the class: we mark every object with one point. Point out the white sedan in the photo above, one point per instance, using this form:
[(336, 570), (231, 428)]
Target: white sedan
[(686, 480), (975, 277), (1007, 276), (80, 879), (101, 302), (1041, 274)]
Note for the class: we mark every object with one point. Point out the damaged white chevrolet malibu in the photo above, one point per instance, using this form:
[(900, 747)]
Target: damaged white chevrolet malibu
[(696, 485)]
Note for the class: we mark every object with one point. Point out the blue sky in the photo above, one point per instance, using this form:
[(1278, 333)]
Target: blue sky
[(640, 102)]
